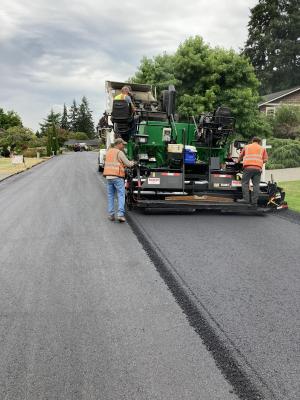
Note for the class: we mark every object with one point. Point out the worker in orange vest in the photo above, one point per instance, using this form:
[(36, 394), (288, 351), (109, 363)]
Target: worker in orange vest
[(254, 156), (114, 171)]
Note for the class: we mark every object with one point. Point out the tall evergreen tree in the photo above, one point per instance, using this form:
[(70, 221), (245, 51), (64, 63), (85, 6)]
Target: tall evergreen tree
[(273, 44), (64, 123), (51, 119), (73, 116), (85, 120)]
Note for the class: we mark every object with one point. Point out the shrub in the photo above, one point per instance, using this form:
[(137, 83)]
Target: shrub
[(32, 151), (285, 153)]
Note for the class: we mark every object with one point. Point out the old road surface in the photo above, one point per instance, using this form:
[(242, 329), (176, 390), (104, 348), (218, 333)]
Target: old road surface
[(167, 307)]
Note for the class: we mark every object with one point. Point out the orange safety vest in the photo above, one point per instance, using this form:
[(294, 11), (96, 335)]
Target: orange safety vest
[(112, 165), (253, 156)]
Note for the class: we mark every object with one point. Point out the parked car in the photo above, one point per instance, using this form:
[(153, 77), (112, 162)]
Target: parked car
[(76, 147), (80, 147)]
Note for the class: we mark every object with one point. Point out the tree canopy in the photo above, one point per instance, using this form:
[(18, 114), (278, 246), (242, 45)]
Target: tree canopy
[(286, 122), (16, 137), (273, 43), (9, 119), (205, 78)]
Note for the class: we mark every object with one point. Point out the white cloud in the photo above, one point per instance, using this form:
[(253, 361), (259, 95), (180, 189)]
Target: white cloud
[(54, 52)]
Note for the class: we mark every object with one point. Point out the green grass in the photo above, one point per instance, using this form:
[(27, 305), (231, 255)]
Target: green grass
[(6, 167), (292, 190)]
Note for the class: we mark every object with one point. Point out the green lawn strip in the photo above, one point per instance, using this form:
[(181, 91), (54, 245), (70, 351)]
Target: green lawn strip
[(6, 166), (292, 190)]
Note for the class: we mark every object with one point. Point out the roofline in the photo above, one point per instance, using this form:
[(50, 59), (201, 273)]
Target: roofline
[(279, 97)]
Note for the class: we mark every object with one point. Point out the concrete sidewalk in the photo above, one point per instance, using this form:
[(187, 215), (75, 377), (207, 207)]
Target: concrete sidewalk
[(283, 175)]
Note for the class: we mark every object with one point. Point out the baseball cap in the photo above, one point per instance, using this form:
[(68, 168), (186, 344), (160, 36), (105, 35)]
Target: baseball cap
[(120, 141)]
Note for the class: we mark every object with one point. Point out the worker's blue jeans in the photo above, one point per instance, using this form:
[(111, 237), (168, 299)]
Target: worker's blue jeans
[(113, 186)]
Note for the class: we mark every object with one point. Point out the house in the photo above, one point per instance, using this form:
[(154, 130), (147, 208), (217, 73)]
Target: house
[(271, 101)]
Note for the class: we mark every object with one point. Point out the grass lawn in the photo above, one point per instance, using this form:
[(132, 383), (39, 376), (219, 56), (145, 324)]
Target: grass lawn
[(292, 190), (6, 167)]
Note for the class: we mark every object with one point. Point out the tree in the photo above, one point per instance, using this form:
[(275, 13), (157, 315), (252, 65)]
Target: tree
[(64, 123), (16, 138), (85, 120), (273, 43), (9, 119), (52, 143), (52, 119), (205, 78), (78, 135), (158, 71), (73, 116), (286, 122)]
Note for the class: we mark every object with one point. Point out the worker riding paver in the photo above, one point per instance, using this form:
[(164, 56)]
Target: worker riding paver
[(254, 156)]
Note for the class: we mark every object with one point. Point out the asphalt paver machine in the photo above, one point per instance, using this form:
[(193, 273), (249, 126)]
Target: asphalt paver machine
[(181, 164)]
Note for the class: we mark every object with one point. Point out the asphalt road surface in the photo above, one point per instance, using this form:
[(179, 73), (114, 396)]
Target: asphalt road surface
[(84, 314), (243, 274)]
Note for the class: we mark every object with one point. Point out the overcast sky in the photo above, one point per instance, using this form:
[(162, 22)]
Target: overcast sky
[(53, 52)]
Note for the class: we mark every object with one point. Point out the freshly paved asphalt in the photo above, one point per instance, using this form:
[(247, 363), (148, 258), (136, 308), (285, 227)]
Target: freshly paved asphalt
[(242, 272), (85, 315)]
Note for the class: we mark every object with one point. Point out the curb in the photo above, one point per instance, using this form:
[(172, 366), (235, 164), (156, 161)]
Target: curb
[(27, 169)]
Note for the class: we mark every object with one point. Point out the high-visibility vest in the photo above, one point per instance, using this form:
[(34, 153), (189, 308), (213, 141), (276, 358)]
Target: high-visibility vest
[(253, 156), (113, 166), (120, 96)]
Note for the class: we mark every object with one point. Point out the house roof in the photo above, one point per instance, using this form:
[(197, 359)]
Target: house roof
[(277, 95)]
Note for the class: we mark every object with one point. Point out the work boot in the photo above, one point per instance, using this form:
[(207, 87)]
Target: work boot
[(121, 219), (111, 217), (242, 201)]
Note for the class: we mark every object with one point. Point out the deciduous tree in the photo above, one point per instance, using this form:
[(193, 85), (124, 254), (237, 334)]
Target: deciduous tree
[(205, 78), (9, 119)]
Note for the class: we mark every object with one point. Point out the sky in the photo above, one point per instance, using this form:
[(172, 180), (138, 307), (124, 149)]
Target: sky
[(54, 52)]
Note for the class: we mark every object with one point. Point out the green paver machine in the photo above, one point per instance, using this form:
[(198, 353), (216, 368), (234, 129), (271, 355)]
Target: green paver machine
[(181, 164)]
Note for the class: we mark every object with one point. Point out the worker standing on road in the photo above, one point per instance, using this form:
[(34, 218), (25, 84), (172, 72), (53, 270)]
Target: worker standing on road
[(114, 171), (254, 156)]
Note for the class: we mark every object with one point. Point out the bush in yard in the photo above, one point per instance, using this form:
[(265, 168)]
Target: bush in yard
[(285, 153), (286, 122), (32, 152)]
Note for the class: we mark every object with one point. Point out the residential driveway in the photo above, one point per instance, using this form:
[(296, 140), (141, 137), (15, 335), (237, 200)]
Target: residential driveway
[(283, 175)]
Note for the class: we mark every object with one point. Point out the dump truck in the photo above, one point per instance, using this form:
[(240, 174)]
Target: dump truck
[(181, 164)]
